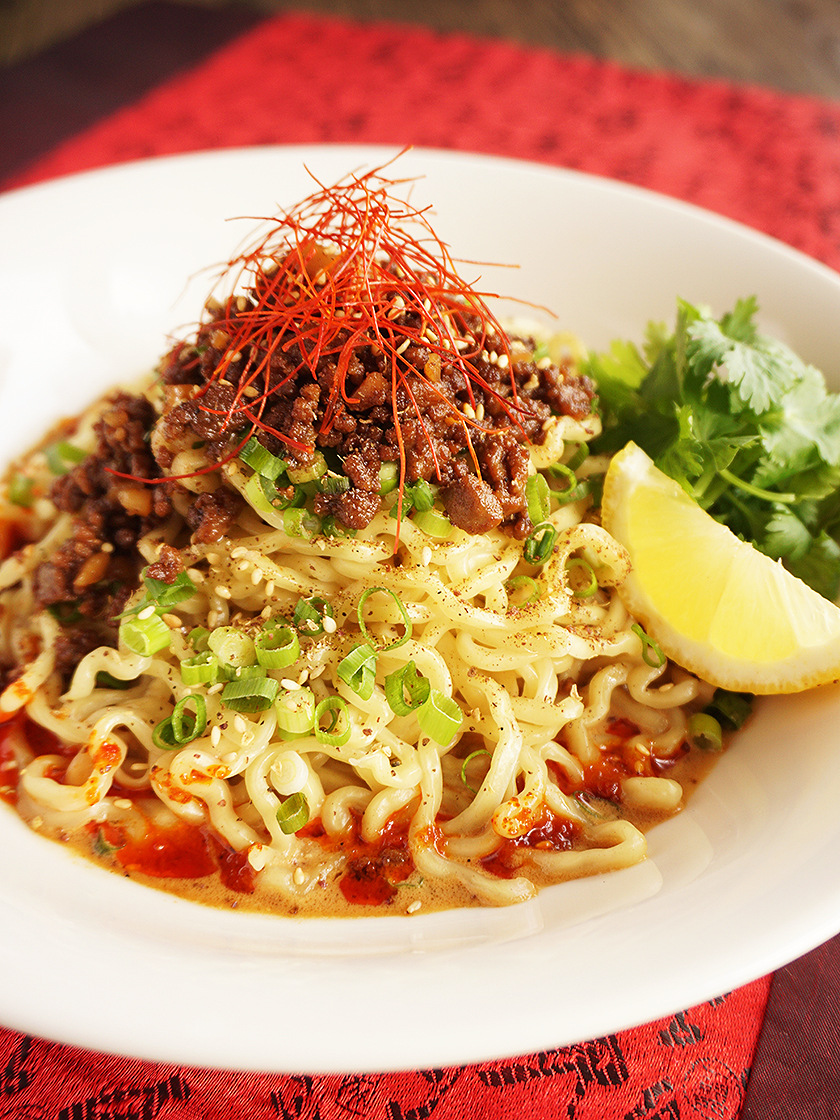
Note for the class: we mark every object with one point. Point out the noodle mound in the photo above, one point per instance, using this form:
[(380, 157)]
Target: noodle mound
[(321, 616)]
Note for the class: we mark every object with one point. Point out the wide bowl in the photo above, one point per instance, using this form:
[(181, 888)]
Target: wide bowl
[(96, 271)]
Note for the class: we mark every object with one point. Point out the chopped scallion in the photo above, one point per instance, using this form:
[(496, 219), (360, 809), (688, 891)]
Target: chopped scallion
[(406, 621), (705, 732), (293, 814), (336, 708), (201, 669), (538, 546), (440, 717), (433, 523), (537, 498), (232, 647), (519, 583), (300, 523), (261, 460), (358, 670), (651, 653), (182, 726), (309, 615), (61, 456), (588, 588), (467, 761), (404, 680), (145, 636), (167, 595), (316, 469), (251, 694), (277, 646), (295, 712), (21, 490)]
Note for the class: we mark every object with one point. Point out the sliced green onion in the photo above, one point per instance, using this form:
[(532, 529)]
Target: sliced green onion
[(705, 732), (20, 491), (145, 636), (651, 653), (293, 814), (201, 669), (578, 456), (433, 523), (334, 484), (62, 456), (440, 717), (731, 708), (251, 694), (197, 638), (539, 544), (423, 496), (258, 500), (310, 614), (182, 726), (388, 478), (586, 590), (261, 460), (316, 469), (232, 647), (467, 761), (331, 527), (537, 498), (277, 646), (406, 621), (404, 680), (107, 680), (515, 583), (335, 707), (300, 523), (358, 670), (295, 712), (166, 595), (242, 672)]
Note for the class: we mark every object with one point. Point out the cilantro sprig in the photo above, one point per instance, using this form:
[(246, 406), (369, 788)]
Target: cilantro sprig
[(742, 423)]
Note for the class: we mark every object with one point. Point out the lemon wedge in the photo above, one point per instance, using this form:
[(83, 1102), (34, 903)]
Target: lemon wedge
[(716, 605)]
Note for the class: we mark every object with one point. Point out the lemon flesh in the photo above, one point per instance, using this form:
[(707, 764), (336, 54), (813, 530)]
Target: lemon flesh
[(715, 605)]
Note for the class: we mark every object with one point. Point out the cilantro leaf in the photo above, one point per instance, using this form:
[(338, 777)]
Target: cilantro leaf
[(741, 422)]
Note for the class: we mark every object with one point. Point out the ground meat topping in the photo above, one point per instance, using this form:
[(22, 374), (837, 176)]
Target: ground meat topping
[(468, 434)]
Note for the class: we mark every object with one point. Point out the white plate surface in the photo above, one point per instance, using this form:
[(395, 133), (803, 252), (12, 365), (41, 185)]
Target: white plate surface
[(92, 279)]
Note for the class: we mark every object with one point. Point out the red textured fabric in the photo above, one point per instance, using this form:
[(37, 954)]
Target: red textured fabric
[(691, 1067), (767, 159), (770, 160)]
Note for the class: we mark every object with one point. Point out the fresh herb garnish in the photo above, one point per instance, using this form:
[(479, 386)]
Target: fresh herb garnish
[(742, 423)]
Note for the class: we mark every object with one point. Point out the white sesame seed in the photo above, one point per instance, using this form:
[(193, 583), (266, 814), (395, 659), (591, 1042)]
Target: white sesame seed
[(195, 575), (330, 625), (243, 566), (256, 857), (469, 411), (146, 612), (107, 546), (403, 346), (215, 736), (479, 411), (289, 684), (237, 552), (239, 724), (223, 592), (171, 620), (122, 803), (299, 877), (414, 907), (269, 587), (212, 690), (257, 575), (426, 556), (503, 361)]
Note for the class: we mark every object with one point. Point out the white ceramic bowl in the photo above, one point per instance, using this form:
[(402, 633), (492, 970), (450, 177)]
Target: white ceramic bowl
[(93, 273)]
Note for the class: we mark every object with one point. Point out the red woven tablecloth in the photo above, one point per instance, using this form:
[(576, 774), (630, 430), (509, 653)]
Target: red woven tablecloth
[(767, 159)]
